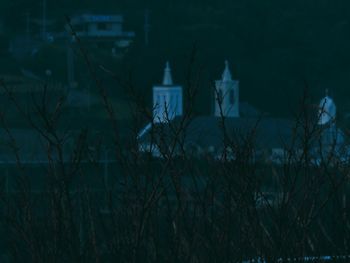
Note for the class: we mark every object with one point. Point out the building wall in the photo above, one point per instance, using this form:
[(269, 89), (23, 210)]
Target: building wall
[(227, 98), (167, 103)]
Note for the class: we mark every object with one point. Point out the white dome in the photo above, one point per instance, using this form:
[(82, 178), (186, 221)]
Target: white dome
[(327, 111)]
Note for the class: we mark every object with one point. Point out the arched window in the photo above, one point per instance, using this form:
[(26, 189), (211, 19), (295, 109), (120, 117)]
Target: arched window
[(232, 96)]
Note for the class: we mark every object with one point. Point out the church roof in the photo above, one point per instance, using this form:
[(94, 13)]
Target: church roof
[(266, 133), (248, 110), (208, 131)]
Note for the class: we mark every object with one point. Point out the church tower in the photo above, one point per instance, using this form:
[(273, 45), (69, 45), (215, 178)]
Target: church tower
[(226, 95), (167, 98), (327, 111), (331, 137)]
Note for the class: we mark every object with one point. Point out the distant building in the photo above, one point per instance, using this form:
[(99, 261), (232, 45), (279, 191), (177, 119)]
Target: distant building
[(327, 111), (235, 129), (205, 134), (167, 98), (167, 101), (102, 28), (331, 141), (227, 95)]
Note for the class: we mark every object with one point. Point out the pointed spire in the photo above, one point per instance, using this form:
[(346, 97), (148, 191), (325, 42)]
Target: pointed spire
[(167, 79), (226, 76)]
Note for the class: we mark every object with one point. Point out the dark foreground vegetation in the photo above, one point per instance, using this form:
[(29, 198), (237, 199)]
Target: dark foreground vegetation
[(89, 204)]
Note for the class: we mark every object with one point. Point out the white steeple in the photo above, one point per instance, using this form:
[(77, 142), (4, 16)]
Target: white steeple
[(167, 98), (226, 95), (226, 75), (167, 79)]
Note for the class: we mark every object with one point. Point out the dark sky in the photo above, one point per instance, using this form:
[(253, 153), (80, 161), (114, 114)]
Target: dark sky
[(274, 47)]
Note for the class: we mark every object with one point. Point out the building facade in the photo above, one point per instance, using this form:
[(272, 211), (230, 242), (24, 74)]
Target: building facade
[(167, 98), (226, 95)]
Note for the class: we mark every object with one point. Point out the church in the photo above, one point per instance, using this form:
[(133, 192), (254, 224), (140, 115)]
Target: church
[(331, 140), (234, 129)]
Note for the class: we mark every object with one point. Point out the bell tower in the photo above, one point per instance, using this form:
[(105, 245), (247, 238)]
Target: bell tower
[(226, 95), (331, 137), (167, 98)]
